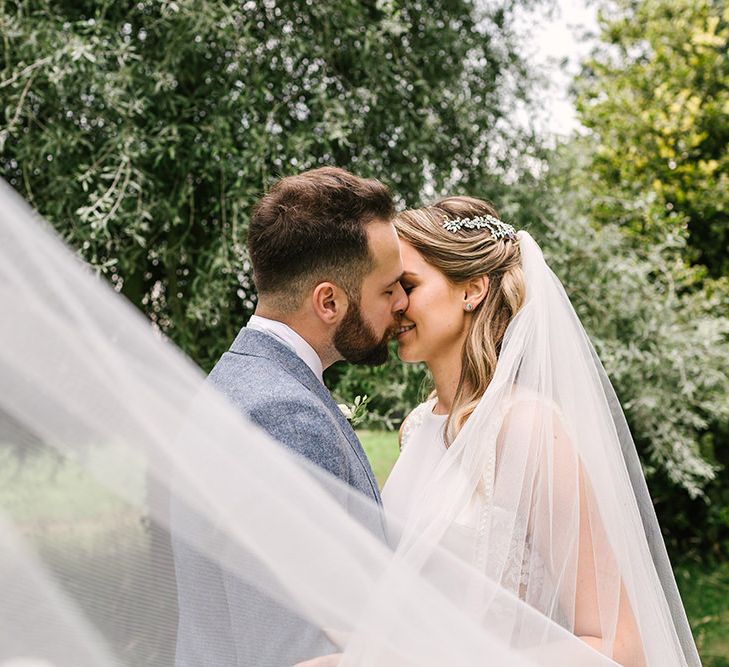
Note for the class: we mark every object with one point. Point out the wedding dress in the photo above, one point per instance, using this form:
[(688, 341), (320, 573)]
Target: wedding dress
[(422, 447)]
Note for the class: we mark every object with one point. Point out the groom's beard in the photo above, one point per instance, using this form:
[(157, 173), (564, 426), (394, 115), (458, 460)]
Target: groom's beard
[(356, 341)]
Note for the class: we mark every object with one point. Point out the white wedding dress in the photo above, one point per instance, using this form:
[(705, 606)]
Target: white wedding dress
[(422, 446)]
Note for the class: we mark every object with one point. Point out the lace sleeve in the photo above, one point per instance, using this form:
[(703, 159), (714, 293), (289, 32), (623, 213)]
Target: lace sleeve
[(411, 423)]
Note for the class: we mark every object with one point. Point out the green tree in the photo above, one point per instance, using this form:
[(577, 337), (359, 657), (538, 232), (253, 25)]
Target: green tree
[(145, 131), (662, 333), (656, 97)]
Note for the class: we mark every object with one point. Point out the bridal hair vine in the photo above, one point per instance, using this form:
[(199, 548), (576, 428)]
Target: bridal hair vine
[(498, 228)]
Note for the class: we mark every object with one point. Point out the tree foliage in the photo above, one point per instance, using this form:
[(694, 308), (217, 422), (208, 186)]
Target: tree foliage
[(656, 96), (655, 165), (662, 332), (145, 131)]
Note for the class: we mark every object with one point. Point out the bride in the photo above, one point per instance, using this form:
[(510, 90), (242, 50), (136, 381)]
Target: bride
[(521, 461)]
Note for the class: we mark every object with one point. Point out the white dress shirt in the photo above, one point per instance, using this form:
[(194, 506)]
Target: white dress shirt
[(290, 339)]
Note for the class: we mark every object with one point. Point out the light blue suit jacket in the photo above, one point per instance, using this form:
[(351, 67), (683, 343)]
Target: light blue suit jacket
[(223, 621)]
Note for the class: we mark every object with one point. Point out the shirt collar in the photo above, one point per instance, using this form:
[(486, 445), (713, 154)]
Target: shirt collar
[(291, 339)]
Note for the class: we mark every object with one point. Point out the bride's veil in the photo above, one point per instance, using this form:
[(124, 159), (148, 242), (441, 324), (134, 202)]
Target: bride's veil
[(117, 460), (544, 485)]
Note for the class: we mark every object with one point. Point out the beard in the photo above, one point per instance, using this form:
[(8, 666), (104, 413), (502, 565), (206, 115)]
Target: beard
[(357, 342)]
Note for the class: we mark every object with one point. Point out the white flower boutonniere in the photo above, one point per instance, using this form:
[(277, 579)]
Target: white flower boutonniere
[(356, 412)]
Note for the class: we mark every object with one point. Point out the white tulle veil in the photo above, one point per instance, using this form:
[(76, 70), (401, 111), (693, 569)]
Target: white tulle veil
[(106, 431), (544, 487)]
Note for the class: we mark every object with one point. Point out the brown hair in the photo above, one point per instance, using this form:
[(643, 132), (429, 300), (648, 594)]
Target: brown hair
[(310, 228), (461, 256)]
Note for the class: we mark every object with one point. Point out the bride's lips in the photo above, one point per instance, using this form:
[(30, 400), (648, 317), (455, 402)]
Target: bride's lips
[(403, 331)]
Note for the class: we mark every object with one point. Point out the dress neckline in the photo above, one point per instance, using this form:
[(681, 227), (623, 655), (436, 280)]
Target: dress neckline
[(431, 405)]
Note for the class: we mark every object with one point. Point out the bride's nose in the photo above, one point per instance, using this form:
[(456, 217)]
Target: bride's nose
[(401, 302)]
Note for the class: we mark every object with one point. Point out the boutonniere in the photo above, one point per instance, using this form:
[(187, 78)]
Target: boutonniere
[(356, 412)]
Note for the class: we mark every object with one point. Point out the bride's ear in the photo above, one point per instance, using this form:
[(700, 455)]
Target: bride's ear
[(475, 291), (329, 302)]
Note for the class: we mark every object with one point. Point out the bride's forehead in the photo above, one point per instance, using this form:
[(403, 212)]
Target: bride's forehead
[(414, 263), (410, 255)]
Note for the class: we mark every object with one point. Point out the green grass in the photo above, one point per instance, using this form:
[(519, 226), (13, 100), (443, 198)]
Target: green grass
[(382, 450), (44, 489), (705, 594)]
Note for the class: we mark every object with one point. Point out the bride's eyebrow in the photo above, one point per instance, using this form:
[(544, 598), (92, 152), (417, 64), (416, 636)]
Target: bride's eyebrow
[(397, 280), (408, 274)]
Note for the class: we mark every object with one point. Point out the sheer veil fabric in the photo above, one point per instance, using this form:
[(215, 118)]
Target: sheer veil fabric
[(105, 426), (542, 489)]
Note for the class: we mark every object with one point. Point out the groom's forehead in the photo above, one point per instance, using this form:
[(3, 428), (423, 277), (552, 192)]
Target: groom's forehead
[(384, 248), (382, 240)]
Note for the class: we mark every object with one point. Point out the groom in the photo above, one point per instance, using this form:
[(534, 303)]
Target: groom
[(326, 265)]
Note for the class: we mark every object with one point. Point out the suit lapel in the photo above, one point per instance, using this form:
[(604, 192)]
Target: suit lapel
[(259, 344)]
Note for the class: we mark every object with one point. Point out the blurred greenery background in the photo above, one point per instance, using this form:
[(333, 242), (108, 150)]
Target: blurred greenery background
[(145, 131)]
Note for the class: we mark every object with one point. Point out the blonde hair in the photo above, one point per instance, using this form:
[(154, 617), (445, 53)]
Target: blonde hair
[(461, 256)]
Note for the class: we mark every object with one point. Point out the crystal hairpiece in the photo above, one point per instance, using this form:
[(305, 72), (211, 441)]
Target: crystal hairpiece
[(498, 228)]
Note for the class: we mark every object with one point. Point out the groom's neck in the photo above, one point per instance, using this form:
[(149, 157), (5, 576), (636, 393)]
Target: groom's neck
[(310, 331)]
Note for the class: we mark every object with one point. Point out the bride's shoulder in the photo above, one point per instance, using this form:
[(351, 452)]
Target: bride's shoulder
[(539, 420), (524, 401), (413, 420)]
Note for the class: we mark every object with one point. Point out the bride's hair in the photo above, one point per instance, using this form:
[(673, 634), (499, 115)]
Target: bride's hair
[(461, 256)]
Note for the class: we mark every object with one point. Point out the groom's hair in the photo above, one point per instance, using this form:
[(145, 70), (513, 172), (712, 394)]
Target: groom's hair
[(311, 228)]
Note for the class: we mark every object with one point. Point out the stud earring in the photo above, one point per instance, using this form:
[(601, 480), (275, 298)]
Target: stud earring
[(469, 307)]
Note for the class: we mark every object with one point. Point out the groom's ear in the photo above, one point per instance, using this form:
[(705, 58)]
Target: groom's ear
[(329, 302)]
